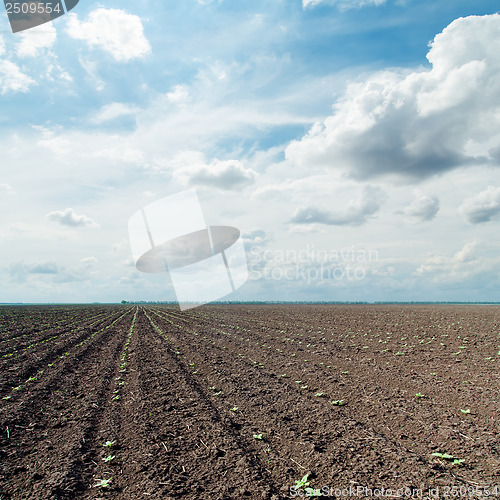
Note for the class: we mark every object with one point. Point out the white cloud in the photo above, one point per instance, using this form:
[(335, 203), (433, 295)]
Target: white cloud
[(7, 189), (255, 236), (483, 207), (36, 40), (12, 78), (422, 208), (415, 124), (114, 30), (70, 218), (191, 169), (113, 111), (178, 95), (355, 213), (343, 4), (463, 265), (43, 268)]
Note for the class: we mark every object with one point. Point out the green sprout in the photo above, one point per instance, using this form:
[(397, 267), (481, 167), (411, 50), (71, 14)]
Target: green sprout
[(311, 492), (109, 458), (234, 408), (465, 411), (419, 395), (338, 402), (445, 456), (109, 444), (103, 483), (260, 437), (299, 483)]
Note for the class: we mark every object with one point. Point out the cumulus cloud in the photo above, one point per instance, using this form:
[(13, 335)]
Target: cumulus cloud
[(461, 265), (114, 30), (355, 213), (343, 4), (423, 208), (416, 124), (13, 79), (36, 40), (70, 218), (483, 207), (191, 169), (255, 237)]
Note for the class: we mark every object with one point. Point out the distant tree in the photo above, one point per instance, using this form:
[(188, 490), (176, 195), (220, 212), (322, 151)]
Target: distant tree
[(124, 302)]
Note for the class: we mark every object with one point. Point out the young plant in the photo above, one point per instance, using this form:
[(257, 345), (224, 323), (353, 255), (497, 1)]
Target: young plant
[(109, 458), (103, 483), (109, 444), (259, 437), (444, 456), (299, 483), (447, 456), (311, 492), (338, 402)]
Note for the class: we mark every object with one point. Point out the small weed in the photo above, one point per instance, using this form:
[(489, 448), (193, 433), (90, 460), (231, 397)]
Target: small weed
[(419, 395), (109, 444), (109, 458), (234, 408), (465, 411), (259, 437)]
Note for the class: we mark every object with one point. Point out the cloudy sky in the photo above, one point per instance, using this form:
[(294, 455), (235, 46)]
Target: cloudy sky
[(354, 143)]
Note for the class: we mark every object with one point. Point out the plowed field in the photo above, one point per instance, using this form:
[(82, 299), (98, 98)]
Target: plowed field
[(242, 401)]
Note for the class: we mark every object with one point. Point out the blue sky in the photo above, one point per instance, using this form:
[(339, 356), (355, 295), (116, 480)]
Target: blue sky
[(355, 144)]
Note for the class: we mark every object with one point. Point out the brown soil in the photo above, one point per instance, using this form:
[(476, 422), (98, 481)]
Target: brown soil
[(230, 402)]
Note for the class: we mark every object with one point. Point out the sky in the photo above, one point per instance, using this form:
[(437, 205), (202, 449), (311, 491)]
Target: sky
[(354, 143)]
